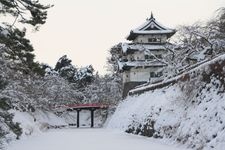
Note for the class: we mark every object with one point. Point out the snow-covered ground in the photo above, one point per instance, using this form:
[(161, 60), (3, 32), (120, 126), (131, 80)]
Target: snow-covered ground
[(87, 139)]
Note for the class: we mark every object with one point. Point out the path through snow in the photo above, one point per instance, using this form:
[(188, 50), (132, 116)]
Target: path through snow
[(87, 139)]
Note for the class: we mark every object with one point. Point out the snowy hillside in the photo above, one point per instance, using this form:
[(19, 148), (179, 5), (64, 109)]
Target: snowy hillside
[(42, 120), (188, 109)]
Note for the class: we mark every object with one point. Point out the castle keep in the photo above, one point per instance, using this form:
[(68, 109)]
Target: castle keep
[(142, 59)]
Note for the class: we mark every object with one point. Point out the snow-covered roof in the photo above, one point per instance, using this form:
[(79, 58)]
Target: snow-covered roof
[(151, 26), (140, 47), (129, 64)]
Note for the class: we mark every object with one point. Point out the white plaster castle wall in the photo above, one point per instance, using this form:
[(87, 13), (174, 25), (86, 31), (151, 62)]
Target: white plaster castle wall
[(139, 74), (126, 76), (140, 55), (144, 38), (136, 56)]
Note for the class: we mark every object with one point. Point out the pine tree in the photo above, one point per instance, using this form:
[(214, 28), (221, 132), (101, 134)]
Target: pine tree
[(115, 77), (65, 68), (221, 20), (115, 56), (84, 76), (26, 11), (17, 47)]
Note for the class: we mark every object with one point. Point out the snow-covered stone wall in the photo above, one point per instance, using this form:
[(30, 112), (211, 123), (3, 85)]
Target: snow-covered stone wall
[(190, 111)]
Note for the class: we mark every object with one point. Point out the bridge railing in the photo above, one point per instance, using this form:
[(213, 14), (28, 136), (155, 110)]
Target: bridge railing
[(77, 106)]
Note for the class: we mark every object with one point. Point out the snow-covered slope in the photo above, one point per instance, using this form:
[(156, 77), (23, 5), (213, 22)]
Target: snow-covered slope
[(38, 121), (190, 109), (22, 124)]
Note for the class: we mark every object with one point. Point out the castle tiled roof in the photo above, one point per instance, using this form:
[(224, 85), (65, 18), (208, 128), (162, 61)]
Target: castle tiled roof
[(150, 27)]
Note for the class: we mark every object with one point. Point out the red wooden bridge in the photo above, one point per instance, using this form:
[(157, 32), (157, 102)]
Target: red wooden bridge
[(78, 107), (86, 106)]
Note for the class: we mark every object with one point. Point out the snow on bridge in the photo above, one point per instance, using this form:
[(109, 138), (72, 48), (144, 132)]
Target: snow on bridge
[(86, 106)]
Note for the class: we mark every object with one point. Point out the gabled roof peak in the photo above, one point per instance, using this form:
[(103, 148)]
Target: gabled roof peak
[(150, 27), (151, 17)]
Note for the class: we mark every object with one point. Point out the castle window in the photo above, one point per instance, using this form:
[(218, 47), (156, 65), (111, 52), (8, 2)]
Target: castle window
[(150, 40), (159, 74), (151, 57), (152, 74), (146, 56), (154, 40), (155, 75), (159, 56), (132, 58)]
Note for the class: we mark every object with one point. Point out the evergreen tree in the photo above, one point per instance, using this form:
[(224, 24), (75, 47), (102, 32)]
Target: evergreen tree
[(115, 77), (115, 56), (221, 20), (65, 68), (18, 49), (26, 11), (84, 76)]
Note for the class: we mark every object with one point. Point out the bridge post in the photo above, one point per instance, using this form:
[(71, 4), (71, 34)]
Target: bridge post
[(92, 117), (78, 118)]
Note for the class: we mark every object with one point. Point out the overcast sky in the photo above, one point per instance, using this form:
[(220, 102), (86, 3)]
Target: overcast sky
[(85, 30)]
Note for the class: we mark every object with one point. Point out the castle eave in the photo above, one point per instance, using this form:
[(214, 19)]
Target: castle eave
[(123, 66), (132, 47), (133, 34)]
